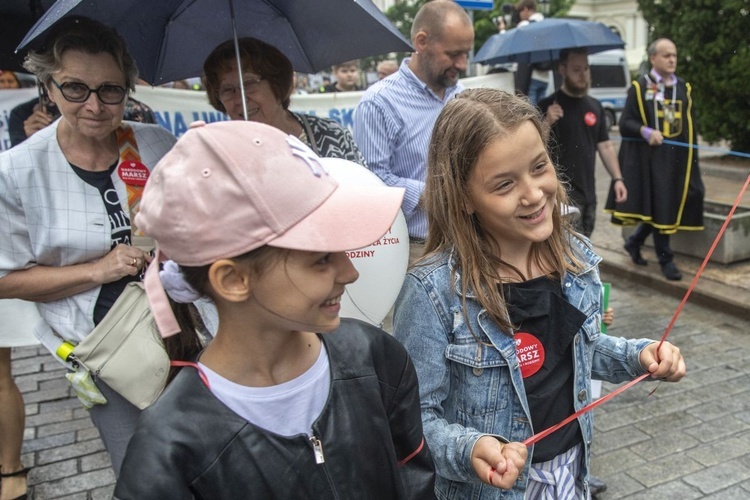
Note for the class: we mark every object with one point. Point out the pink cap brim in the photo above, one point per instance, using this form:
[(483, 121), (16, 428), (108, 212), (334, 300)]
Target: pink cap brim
[(351, 218)]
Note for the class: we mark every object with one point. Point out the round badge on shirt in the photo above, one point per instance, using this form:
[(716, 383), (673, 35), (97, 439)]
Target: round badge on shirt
[(590, 119), (133, 173), (530, 353)]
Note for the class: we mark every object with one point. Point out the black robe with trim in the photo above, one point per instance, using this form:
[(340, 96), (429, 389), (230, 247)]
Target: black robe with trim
[(664, 182)]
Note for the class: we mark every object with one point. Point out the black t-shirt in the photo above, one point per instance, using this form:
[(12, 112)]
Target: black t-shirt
[(546, 325), (577, 135), (119, 222)]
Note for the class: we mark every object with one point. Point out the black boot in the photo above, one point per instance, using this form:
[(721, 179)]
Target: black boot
[(635, 254), (596, 486), (670, 271)]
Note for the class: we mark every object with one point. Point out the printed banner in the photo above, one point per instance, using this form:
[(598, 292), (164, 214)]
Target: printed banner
[(176, 109)]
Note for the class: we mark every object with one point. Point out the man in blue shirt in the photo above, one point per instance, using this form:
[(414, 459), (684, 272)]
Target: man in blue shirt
[(394, 119)]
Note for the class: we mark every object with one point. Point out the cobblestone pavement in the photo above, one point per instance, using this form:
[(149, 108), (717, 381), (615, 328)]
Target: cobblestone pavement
[(688, 440)]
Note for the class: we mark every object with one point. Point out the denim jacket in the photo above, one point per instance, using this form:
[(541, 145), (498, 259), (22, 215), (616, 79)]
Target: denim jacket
[(469, 389)]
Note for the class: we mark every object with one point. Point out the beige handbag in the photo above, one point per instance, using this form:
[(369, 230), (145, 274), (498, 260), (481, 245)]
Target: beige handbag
[(126, 351)]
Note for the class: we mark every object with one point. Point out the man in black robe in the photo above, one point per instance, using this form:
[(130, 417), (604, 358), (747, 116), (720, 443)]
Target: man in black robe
[(665, 191)]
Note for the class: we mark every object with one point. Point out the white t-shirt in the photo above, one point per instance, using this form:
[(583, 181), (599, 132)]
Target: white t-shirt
[(286, 409)]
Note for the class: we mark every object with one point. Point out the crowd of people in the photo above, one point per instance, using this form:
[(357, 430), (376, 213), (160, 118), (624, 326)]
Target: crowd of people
[(496, 331)]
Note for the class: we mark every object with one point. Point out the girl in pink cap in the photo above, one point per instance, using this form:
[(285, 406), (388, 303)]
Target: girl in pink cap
[(288, 400)]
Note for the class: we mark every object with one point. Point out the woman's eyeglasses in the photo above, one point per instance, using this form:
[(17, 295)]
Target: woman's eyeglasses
[(229, 92), (80, 92)]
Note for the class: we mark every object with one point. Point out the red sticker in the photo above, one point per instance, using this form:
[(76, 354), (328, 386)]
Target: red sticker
[(133, 173), (590, 119), (530, 353)]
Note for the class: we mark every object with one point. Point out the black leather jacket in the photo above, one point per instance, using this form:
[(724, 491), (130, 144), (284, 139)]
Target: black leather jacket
[(189, 445)]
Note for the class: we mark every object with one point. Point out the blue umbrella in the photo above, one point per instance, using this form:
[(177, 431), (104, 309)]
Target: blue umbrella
[(170, 39), (542, 41)]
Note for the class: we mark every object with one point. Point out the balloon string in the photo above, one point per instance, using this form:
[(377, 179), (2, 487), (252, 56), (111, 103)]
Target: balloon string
[(541, 435)]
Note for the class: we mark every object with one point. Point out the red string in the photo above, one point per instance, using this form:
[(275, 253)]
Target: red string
[(541, 435)]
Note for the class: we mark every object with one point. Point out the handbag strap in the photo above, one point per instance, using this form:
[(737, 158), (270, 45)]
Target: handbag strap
[(129, 153), (310, 136)]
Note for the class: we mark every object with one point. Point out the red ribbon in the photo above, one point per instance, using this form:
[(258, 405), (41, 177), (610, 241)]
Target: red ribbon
[(541, 435)]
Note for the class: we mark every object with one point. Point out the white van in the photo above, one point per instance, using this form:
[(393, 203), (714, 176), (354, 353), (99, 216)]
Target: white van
[(610, 80)]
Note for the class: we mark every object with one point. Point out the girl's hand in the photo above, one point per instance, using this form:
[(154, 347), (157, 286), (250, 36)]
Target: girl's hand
[(497, 463), (668, 365)]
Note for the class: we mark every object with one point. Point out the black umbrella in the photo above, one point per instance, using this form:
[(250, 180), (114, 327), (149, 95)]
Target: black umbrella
[(16, 19), (170, 39)]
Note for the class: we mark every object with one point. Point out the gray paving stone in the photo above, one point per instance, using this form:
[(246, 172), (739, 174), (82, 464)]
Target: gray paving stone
[(49, 442), (56, 470), (96, 461), (733, 493), (58, 393), (664, 470), (668, 422), (710, 432), (718, 477), (619, 486), (78, 496), (62, 404), (57, 428), (665, 444), (673, 490), (87, 434), (23, 366), (717, 374), (620, 438), (80, 412), (72, 450), (721, 408), (49, 418), (80, 483), (54, 383), (615, 462), (648, 409), (104, 493)]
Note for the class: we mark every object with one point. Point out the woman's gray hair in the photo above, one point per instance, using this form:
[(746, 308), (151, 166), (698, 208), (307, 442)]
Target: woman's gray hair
[(85, 35)]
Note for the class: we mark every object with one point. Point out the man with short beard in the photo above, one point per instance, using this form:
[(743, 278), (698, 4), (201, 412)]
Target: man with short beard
[(394, 119), (580, 131)]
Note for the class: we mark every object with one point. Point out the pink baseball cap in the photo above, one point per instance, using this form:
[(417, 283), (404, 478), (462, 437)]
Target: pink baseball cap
[(229, 187)]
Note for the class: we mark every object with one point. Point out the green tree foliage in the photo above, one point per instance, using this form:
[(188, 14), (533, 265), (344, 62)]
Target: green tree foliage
[(713, 54)]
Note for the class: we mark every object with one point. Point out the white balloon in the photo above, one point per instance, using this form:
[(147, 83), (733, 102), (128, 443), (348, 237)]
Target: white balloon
[(381, 266)]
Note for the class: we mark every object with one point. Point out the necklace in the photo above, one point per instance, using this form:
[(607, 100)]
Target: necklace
[(668, 110)]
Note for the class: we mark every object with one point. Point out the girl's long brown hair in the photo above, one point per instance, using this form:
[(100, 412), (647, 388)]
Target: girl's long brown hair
[(466, 126)]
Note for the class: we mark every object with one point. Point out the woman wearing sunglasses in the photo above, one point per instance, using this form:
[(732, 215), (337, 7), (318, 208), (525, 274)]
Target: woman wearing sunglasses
[(67, 200)]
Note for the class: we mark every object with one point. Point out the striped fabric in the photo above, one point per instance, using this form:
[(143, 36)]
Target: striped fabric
[(557, 479), (392, 127)]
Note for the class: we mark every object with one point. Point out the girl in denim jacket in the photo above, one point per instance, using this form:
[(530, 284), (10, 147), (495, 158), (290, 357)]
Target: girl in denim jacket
[(501, 316)]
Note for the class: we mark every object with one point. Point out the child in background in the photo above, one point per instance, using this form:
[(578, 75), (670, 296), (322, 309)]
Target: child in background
[(347, 77), (502, 314), (288, 400)]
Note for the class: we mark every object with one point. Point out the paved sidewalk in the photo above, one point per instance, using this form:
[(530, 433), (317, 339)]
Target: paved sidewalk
[(689, 440)]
